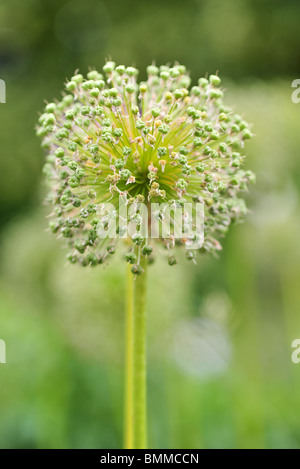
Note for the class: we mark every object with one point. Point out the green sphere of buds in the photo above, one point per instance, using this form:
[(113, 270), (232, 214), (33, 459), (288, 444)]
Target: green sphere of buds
[(157, 142)]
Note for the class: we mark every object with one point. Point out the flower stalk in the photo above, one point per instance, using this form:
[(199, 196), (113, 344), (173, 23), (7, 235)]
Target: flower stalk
[(139, 360), (135, 427), (128, 417)]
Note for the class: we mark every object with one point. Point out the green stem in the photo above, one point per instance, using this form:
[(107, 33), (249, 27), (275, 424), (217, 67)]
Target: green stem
[(128, 427), (139, 359)]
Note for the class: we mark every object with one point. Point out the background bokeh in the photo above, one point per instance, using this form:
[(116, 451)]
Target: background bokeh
[(220, 332)]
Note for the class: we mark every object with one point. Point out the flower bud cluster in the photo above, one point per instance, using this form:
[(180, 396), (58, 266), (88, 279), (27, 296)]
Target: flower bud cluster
[(158, 141)]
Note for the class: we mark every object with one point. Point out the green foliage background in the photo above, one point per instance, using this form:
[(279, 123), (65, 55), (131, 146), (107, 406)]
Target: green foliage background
[(220, 332)]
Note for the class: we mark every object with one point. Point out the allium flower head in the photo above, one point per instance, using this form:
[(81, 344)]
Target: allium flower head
[(159, 141)]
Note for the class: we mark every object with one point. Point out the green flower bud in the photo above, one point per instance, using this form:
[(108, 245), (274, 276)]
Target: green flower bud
[(223, 147), (198, 142), (111, 249), (215, 80), (155, 112), (178, 94), (60, 152), (113, 92), (215, 135), (77, 78), (235, 156), (137, 239), (80, 246), (235, 129), (186, 170), (137, 270), (76, 202), (95, 92), (243, 125), (66, 232), (143, 88), (250, 176), (127, 151), (54, 226), (234, 181), (207, 151), (216, 94), (208, 127), (92, 259), (119, 164), (109, 67), (72, 146), (94, 149), (117, 102), (118, 133), (135, 110), (210, 187), (125, 174), (131, 71), (164, 129), (200, 167), (208, 178), (130, 89), (203, 82), (181, 69), (69, 115), (191, 112), (152, 70), (94, 75), (162, 151), (67, 100), (51, 107), (183, 151), (74, 182), (71, 86), (64, 161), (165, 75), (50, 119), (147, 250), (247, 134), (190, 255), (88, 85), (182, 159), (174, 72), (140, 124), (99, 84), (131, 258), (85, 110), (121, 69), (195, 91), (172, 261), (181, 184)]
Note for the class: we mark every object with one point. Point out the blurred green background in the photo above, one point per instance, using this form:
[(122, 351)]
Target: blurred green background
[(220, 332)]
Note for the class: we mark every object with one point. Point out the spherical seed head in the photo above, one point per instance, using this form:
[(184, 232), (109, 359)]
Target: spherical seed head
[(110, 139)]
